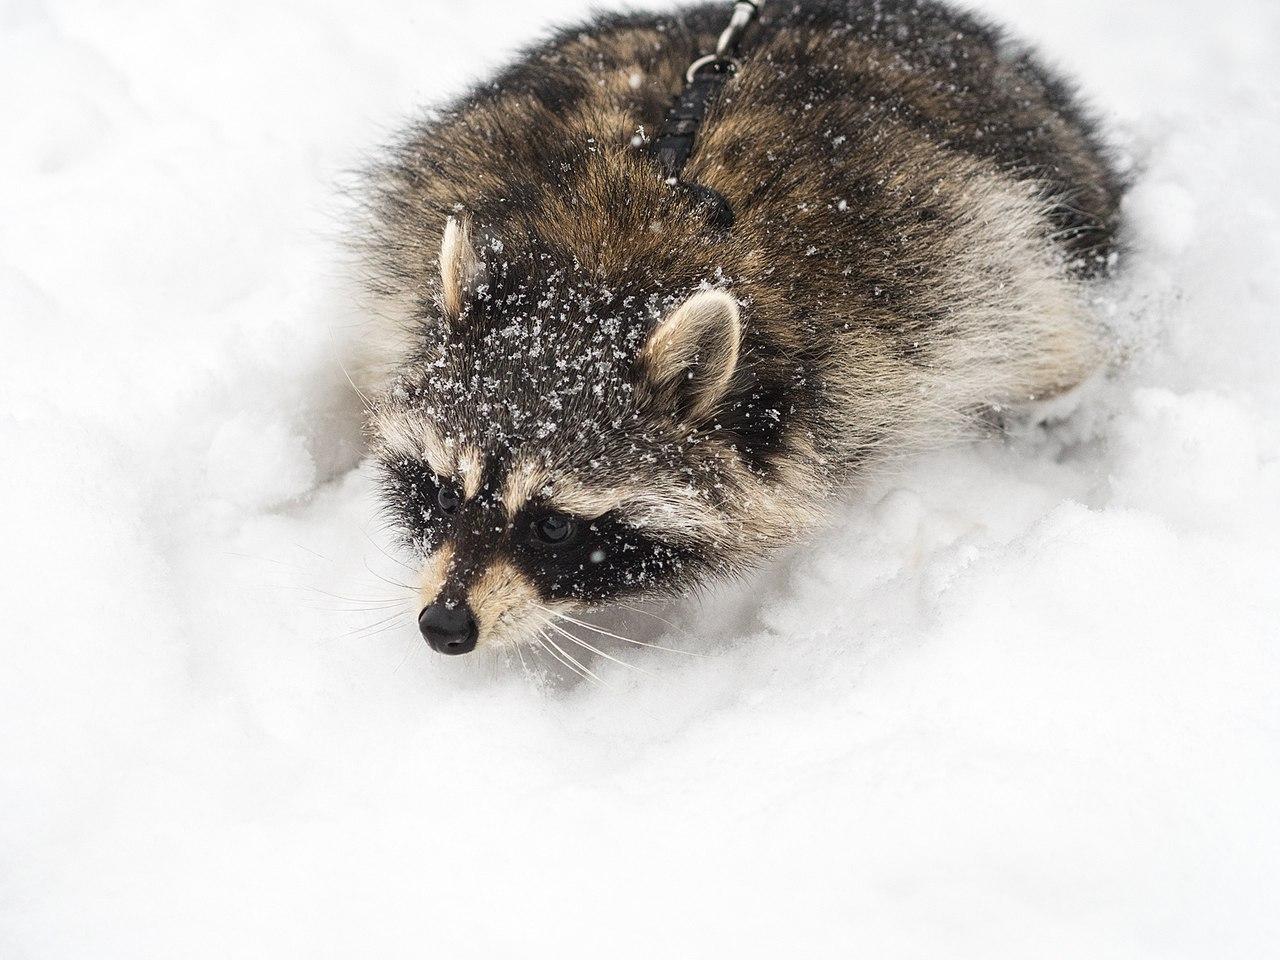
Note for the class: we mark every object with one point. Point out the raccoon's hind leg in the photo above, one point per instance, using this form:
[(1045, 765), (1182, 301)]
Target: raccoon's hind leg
[(1019, 327)]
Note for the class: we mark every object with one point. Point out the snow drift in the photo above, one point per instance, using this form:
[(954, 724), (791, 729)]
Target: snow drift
[(1020, 700)]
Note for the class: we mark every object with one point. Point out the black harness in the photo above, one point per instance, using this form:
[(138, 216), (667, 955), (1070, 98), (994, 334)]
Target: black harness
[(678, 134)]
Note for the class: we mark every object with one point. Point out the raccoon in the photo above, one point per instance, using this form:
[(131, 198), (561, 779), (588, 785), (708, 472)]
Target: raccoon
[(583, 391)]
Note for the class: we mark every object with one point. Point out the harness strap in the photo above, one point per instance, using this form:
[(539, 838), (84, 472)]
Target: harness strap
[(678, 135), (679, 131)]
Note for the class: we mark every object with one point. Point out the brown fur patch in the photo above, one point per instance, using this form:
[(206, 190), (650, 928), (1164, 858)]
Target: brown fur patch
[(525, 480), (470, 470), (434, 575), (504, 603), (413, 435)]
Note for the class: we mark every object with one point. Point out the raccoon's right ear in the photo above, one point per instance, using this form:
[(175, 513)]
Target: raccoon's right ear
[(689, 359), (461, 269)]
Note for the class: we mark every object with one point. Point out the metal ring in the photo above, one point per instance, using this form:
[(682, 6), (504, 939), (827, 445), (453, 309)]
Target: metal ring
[(744, 12), (728, 64)]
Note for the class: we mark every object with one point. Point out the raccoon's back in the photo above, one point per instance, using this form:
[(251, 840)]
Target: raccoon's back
[(916, 201), (853, 76), (821, 81), (911, 192)]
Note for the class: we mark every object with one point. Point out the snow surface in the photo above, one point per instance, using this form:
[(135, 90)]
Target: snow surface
[(1020, 701)]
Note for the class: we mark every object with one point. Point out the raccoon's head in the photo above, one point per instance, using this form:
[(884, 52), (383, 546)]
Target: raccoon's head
[(552, 442)]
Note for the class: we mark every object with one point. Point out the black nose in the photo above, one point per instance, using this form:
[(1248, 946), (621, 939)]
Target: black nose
[(448, 628)]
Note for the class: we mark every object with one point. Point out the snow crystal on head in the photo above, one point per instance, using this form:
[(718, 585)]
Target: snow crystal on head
[(539, 358)]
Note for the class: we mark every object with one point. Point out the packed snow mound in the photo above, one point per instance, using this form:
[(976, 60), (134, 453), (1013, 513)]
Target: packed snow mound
[(1020, 700)]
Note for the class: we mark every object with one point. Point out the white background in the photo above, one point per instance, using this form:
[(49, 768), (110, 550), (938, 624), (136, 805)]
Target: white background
[(1020, 701)]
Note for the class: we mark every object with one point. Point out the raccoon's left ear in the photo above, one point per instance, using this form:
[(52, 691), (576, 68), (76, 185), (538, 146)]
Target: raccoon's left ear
[(691, 356), (461, 269)]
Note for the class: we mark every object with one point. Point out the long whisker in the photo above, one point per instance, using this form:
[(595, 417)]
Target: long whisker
[(574, 661), (524, 667), (363, 399), (536, 652), (380, 626), (600, 653), (368, 630), (386, 580), (542, 642), (338, 596), (405, 659), (368, 608), (314, 553), (383, 550), (606, 633), (646, 613)]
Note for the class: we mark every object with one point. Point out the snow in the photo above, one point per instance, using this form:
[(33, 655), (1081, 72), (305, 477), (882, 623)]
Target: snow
[(1021, 699)]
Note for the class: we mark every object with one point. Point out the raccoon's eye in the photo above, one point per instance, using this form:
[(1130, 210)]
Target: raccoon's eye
[(448, 500), (555, 530)]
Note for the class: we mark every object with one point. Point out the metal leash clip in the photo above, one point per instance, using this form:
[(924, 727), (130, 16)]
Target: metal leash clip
[(725, 57)]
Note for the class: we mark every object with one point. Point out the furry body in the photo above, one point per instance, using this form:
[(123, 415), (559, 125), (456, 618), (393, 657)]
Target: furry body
[(918, 205)]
